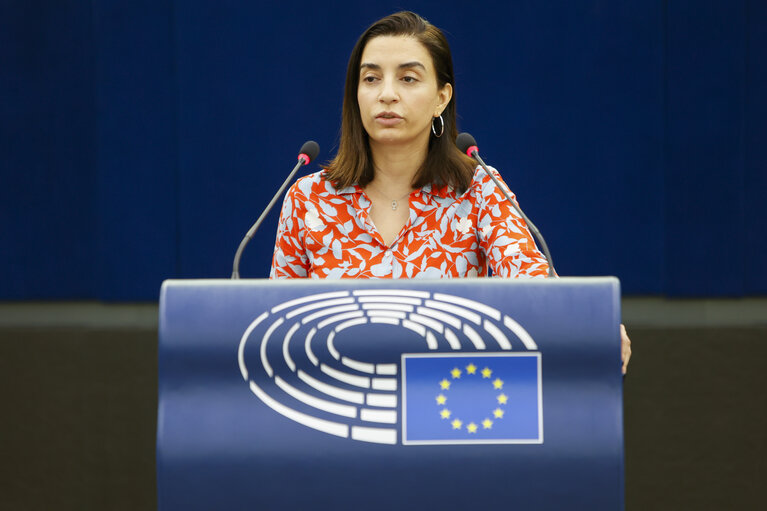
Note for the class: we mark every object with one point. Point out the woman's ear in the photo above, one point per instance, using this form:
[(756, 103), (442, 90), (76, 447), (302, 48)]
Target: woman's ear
[(445, 94)]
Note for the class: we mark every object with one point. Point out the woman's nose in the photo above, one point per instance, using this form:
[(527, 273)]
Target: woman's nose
[(388, 92)]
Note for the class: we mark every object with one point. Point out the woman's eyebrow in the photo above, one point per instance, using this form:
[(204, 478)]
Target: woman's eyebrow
[(406, 65)]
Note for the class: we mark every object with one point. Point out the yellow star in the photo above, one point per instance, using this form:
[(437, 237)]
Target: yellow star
[(472, 428), (498, 383), (456, 373), (487, 424), (502, 398), (498, 413), (445, 414), (441, 399), (486, 372), (457, 424), (444, 384), (471, 369)]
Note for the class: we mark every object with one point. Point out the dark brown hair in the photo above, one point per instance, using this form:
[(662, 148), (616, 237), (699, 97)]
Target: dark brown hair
[(445, 163)]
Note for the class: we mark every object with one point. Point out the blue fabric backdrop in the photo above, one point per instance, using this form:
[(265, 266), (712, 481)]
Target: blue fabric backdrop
[(140, 140)]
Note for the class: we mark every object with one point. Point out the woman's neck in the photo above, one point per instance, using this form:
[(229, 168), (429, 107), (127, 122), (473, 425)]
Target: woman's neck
[(396, 166)]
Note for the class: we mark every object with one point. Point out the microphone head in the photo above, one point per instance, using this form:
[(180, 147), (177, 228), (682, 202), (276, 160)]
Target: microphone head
[(466, 143), (310, 150)]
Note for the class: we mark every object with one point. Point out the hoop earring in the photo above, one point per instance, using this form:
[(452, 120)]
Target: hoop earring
[(442, 124)]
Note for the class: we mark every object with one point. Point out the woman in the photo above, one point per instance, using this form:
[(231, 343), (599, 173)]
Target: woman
[(399, 199), (397, 150)]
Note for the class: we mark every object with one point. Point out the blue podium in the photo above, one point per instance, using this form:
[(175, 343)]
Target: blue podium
[(390, 394)]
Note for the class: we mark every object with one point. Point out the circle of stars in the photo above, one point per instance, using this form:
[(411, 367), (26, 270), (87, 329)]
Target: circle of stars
[(457, 423)]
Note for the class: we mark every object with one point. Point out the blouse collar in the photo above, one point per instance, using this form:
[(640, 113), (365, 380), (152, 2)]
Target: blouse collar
[(441, 191)]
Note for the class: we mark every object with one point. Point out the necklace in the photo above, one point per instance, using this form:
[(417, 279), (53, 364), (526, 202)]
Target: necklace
[(394, 202)]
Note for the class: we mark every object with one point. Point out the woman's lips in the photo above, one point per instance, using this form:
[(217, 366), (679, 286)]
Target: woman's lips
[(388, 119)]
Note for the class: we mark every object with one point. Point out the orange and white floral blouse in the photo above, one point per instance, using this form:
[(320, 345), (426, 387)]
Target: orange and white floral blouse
[(327, 233)]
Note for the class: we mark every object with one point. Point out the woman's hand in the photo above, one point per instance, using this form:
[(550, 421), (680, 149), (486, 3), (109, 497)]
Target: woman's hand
[(625, 348)]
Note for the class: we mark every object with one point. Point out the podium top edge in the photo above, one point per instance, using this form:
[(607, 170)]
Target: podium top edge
[(492, 281)]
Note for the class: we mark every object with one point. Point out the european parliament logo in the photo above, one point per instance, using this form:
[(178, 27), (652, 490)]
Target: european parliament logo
[(397, 367)]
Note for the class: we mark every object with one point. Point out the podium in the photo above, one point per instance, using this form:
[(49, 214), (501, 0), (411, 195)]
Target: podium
[(390, 394)]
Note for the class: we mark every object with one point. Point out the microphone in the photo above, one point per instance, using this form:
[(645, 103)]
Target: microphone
[(308, 152), (468, 145)]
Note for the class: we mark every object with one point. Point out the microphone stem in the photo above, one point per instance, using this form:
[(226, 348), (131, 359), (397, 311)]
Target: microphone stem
[(252, 230), (530, 224)]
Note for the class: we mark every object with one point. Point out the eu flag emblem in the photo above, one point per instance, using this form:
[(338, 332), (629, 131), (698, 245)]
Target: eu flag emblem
[(488, 398)]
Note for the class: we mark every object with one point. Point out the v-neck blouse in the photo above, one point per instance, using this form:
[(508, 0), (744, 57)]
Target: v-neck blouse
[(327, 233)]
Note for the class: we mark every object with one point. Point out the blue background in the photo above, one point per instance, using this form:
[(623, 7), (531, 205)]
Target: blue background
[(140, 140)]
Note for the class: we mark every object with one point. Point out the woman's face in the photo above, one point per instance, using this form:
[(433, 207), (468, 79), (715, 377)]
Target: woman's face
[(398, 94)]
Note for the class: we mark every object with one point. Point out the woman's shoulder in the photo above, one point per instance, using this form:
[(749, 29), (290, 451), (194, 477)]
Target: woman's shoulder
[(312, 186), (481, 181), (483, 189), (480, 176)]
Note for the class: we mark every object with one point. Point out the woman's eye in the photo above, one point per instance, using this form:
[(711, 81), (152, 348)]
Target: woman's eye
[(369, 79), (409, 79)]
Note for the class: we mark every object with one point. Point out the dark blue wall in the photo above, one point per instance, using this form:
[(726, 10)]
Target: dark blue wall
[(48, 168), (139, 140)]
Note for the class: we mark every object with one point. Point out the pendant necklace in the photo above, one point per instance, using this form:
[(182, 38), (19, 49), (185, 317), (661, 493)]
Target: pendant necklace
[(394, 202)]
